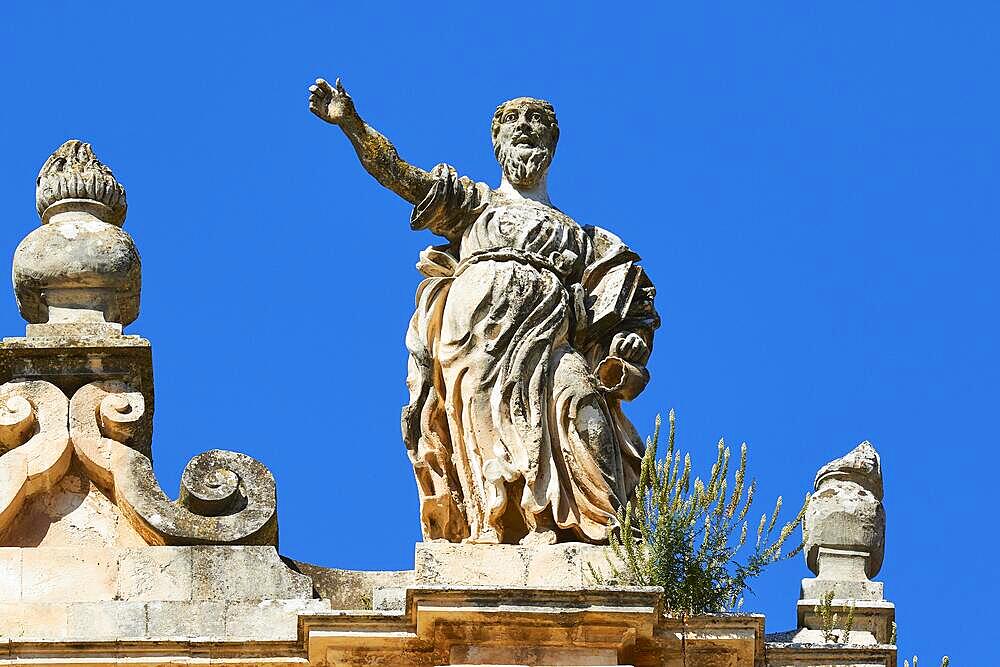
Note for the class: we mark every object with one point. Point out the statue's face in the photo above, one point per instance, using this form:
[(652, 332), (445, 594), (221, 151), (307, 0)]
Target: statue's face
[(524, 140)]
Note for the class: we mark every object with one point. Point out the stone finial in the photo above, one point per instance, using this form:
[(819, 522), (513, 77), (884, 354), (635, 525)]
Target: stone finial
[(79, 270), (844, 527), (72, 176), (844, 540), (861, 466)]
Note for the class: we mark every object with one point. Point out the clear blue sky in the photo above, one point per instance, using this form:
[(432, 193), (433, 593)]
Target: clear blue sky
[(813, 190)]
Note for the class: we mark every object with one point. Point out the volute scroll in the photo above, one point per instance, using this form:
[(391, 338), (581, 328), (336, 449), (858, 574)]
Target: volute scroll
[(225, 497), (34, 441)]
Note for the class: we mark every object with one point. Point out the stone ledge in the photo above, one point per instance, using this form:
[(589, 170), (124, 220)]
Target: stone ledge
[(440, 625), (780, 654)]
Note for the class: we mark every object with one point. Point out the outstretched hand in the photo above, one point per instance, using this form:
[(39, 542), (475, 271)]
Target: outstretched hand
[(331, 103)]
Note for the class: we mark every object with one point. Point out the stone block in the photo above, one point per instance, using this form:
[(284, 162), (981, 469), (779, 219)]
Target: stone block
[(873, 618), (106, 620), (33, 620), (10, 574), (352, 589), (187, 620), (154, 573), (389, 599), (814, 589), (269, 620), (244, 573), (563, 565), (532, 655), (69, 574)]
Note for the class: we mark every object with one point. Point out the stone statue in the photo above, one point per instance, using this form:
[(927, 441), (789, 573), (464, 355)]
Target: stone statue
[(529, 332)]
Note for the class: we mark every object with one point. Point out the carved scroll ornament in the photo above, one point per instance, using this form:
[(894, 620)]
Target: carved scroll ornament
[(225, 497), (34, 440)]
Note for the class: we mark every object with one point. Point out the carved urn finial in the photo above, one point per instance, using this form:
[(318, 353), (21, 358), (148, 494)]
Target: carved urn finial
[(79, 268), (844, 527), (844, 535)]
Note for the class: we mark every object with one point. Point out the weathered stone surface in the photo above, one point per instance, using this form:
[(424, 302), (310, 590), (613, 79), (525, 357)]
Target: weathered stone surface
[(244, 573), (79, 266), (844, 540), (71, 360), (226, 497), (783, 654), (35, 450), (845, 513), (10, 574), (352, 589), (269, 620), (155, 573), (540, 655), (106, 620), (508, 565), (872, 621), (74, 512), (844, 576), (69, 574), (204, 618), (389, 599), (33, 620), (530, 328)]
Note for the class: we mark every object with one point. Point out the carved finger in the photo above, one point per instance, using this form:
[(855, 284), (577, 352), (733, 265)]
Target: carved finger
[(340, 86), (323, 85), (319, 94)]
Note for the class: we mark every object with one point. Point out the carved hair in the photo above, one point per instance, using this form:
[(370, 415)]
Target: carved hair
[(545, 107), (74, 172)]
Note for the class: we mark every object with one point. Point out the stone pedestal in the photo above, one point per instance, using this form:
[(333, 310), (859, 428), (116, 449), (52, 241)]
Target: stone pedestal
[(872, 621), (564, 565), (843, 574), (70, 356)]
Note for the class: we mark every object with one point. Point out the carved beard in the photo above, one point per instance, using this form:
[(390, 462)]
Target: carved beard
[(524, 166)]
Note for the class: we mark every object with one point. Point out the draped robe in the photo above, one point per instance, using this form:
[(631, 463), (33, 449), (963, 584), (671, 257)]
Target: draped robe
[(507, 426)]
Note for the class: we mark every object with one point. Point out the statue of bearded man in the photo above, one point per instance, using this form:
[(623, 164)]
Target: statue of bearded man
[(529, 332)]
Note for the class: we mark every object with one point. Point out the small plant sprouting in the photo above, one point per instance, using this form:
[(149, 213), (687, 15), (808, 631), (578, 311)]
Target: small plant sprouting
[(828, 617), (945, 661), (847, 625), (688, 535)]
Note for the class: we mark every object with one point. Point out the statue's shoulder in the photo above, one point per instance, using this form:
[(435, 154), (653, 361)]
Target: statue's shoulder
[(607, 244)]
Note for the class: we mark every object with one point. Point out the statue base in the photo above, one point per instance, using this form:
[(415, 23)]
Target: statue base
[(568, 564)]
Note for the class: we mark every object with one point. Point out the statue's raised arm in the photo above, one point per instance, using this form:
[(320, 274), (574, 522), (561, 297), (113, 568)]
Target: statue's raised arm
[(377, 154)]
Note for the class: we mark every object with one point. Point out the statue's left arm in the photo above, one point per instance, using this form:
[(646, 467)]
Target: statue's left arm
[(621, 316)]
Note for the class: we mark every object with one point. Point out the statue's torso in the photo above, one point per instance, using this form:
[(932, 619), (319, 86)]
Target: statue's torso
[(531, 227)]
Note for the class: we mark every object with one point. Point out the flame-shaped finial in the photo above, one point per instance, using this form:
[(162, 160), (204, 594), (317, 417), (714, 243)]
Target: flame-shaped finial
[(73, 173)]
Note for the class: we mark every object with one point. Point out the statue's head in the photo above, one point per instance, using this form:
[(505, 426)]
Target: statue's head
[(525, 133)]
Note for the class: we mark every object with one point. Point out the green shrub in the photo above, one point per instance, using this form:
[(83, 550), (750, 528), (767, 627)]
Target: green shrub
[(690, 537)]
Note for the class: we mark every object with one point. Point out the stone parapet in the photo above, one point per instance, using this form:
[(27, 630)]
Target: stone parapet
[(142, 574)]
